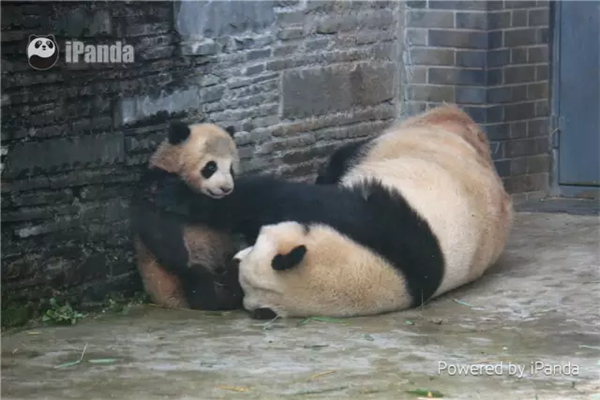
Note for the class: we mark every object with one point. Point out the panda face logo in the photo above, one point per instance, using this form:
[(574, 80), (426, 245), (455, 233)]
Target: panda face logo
[(42, 52)]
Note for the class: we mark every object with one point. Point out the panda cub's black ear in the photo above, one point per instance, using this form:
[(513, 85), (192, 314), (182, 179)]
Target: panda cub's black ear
[(230, 130), (282, 262), (178, 132)]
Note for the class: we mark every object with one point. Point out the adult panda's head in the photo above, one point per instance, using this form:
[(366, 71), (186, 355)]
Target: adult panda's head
[(268, 270), (299, 270), (205, 156)]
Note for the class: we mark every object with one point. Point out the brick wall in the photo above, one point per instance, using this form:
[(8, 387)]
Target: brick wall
[(491, 58), (518, 94), (298, 78)]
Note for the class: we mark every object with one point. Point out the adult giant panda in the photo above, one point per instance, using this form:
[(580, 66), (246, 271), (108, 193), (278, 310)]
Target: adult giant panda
[(182, 264), (422, 212)]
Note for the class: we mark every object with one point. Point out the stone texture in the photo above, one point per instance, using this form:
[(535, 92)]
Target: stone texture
[(519, 74), (457, 5), (432, 93), (495, 39), (220, 18), (539, 17), (134, 109), (72, 148), (330, 89), (429, 19), (426, 56), (457, 76), (60, 154), (520, 37), (460, 39), (471, 95), (416, 37), (498, 20), (471, 59), (472, 20), (298, 78)]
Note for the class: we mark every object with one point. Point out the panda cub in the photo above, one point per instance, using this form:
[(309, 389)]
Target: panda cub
[(185, 264), (428, 214)]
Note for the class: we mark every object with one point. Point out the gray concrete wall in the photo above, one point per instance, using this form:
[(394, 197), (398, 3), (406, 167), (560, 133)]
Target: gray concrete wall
[(297, 78)]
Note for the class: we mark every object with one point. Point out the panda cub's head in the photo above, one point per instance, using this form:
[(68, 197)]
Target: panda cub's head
[(203, 155)]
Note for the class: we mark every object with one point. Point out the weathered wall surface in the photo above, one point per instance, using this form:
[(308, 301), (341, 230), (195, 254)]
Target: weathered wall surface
[(298, 78), (491, 58)]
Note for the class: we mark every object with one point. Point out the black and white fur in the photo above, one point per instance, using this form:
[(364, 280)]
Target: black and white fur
[(341, 161), (182, 264), (367, 213), (418, 211)]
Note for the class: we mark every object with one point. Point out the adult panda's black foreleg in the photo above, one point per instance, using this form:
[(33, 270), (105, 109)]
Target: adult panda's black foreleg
[(163, 234), (203, 292)]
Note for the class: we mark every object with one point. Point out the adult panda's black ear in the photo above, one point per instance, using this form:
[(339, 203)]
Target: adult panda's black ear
[(281, 262), (230, 130), (178, 132)]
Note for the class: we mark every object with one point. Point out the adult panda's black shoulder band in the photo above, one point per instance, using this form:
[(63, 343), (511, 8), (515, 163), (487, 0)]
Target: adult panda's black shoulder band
[(398, 233), (341, 161)]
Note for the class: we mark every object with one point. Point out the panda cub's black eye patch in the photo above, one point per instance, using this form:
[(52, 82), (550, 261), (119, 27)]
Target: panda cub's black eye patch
[(209, 169)]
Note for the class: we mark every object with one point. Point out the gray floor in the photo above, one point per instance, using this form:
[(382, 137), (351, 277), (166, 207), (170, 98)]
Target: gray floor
[(561, 205), (539, 304)]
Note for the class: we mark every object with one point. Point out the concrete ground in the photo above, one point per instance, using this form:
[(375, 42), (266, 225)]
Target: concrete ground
[(538, 306)]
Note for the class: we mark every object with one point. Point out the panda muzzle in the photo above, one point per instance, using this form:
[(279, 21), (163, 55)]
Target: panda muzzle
[(263, 313)]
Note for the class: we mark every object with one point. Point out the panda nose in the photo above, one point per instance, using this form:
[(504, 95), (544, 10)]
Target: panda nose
[(226, 189), (263, 313)]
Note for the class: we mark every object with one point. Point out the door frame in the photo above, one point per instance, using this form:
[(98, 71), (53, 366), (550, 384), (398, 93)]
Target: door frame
[(556, 189)]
